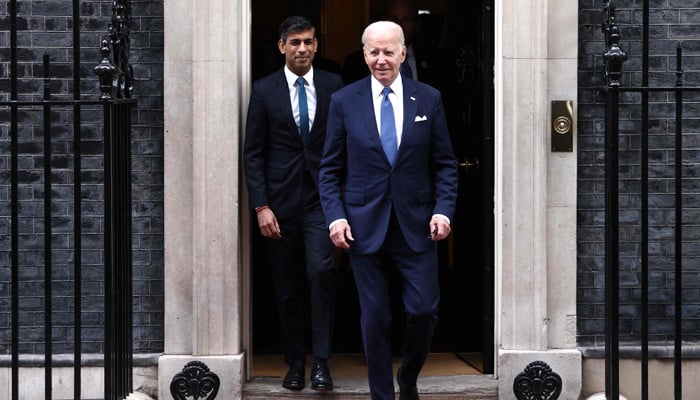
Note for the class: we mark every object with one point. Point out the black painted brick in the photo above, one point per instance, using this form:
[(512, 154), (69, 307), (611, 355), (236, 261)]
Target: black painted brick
[(46, 28), (671, 21)]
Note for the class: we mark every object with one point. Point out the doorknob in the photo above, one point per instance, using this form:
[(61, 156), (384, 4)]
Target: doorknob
[(466, 165)]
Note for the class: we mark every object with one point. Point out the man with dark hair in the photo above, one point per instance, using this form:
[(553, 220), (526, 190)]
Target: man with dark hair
[(286, 128), (423, 59), (405, 13)]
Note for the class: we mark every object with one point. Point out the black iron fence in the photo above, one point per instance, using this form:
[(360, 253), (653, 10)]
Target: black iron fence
[(29, 117), (614, 59)]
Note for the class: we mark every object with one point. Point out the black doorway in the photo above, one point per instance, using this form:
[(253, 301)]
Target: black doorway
[(462, 36)]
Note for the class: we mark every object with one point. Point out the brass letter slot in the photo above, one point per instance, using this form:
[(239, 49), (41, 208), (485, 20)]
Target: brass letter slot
[(562, 125)]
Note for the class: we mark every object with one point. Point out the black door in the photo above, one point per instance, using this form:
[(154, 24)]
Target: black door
[(466, 310), (461, 32), (466, 268)]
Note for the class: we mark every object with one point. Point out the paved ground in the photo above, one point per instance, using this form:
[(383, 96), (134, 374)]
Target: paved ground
[(462, 387)]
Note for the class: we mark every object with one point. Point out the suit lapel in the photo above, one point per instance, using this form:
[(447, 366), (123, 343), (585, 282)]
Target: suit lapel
[(280, 95), (410, 105), (321, 101), (323, 95), (364, 94)]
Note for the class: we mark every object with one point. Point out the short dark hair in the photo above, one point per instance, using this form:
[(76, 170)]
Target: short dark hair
[(412, 4), (294, 24)]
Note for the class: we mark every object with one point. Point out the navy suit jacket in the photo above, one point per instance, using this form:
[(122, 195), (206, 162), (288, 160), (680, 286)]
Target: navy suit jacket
[(358, 183), (275, 159)]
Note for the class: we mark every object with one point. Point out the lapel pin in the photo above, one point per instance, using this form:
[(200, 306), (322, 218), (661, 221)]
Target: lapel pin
[(413, 98)]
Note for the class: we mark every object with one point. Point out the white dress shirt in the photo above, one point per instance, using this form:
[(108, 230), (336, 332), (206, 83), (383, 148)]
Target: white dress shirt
[(396, 99), (294, 94)]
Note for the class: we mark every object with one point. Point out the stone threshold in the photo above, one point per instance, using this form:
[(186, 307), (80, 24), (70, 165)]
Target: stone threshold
[(457, 387)]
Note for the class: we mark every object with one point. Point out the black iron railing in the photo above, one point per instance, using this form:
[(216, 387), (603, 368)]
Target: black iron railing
[(118, 271), (614, 58), (115, 103)]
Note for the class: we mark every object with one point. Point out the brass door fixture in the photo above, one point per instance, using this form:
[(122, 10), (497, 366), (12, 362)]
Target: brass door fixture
[(562, 125)]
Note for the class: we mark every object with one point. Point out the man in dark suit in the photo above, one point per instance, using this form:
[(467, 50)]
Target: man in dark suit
[(389, 172), (285, 131), (423, 57)]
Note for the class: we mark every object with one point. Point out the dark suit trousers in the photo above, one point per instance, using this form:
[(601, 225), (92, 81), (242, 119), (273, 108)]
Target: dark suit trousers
[(304, 253), (420, 293)]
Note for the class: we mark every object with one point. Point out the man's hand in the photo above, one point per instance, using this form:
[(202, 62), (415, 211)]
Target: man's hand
[(268, 224), (341, 234), (439, 228)]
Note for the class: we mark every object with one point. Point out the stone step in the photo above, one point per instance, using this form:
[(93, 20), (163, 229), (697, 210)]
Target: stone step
[(460, 387)]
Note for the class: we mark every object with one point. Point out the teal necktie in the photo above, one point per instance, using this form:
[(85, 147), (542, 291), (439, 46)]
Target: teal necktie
[(303, 112), (387, 126)]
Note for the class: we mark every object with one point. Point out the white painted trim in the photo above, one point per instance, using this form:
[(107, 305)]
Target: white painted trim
[(245, 17), (535, 201), (498, 181)]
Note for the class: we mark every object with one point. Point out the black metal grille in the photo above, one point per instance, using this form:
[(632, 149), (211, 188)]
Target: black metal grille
[(614, 59), (26, 115)]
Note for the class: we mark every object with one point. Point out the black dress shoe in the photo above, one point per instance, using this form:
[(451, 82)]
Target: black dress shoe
[(294, 379), (321, 377), (406, 391)]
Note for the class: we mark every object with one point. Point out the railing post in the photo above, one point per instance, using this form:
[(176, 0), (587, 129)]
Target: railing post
[(14, 212), (77, 210), (116, 89), (678, 231), (613, 57), (48, 272)]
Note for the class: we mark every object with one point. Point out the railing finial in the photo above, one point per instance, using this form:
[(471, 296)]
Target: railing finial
[(119, 41), (106, 71), (614, 56)]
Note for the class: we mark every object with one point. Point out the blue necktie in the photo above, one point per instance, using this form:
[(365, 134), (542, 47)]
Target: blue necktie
[(303, 112), (388, 127)]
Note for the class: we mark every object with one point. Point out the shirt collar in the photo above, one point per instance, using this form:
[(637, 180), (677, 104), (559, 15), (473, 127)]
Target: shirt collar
[(292, 77), (396, 86)]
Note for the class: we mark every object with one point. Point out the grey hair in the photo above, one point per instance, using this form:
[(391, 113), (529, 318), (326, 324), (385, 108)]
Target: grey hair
[(383, 25)]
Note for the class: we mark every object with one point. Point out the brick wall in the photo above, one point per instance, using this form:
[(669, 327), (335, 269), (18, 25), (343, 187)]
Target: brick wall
[(46, 27), (672, 21)]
